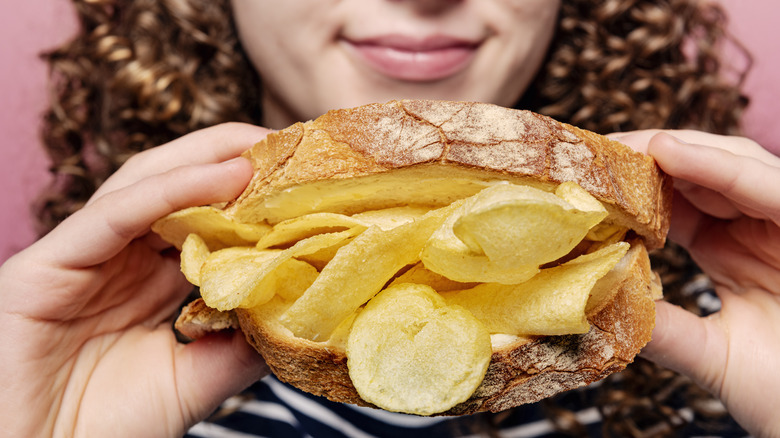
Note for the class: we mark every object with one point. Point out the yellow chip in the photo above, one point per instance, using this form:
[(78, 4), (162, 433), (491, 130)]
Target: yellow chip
[(299, 228), (322, 257), (408, 351), (504, 233), (217, 229), (389, 218), (578, 197), (233, 277), (419, 275), (291, 279), (607, 233), (194, 253), (358, 271), (230, 276), (551, 303), (607, 287)]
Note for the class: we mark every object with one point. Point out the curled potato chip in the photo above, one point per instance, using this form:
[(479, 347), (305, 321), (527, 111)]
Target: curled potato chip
[(607, 287), (233, 277), (291, 279), (578, 197), (388, 218), (607, 233), (194, 253), (505, 232), (299, 228), (292, 230), (214, 225), (320, 258), (420, 275), (357, 272), (551, 303), (230, 277), (408, 351)]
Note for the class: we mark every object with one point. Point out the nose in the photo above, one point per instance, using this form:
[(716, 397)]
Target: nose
[(429, 6)]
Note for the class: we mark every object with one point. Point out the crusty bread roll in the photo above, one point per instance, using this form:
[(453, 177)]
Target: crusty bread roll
[(414, 152)]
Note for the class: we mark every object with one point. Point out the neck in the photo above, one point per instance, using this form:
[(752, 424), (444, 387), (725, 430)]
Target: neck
[(276, 114)]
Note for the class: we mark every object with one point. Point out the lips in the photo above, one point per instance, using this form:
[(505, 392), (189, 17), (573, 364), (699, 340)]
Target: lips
[(414, 59)]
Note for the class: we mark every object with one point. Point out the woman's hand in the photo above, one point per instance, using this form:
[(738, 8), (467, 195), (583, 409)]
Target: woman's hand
[(85, 332), (726, 213)]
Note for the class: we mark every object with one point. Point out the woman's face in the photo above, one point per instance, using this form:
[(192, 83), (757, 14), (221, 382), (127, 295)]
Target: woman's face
[(316, 55)]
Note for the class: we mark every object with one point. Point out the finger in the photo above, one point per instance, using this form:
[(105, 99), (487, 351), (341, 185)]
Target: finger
[(214, 368), (743, 180), (686, 223), (636, 140), (741, 146), (211, 145), (707, 201), (97, 232), (688, 344)]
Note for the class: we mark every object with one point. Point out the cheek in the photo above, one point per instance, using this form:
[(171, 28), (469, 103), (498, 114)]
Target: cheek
[(522, 34), (526, 22), (293, 48), (276, 34)]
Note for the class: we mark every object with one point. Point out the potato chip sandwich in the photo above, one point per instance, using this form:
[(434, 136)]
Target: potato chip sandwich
[(432, 257)]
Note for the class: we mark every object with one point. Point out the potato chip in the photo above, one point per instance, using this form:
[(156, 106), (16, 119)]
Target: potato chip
[(340, 334), (551, 303), (291, 279), (357, 272), (578, 197), (389, 218), (216, 227), (420, 275), (292, 230), (607, 286), (230, 276), (233, 277), (320, 258), (299, 228), (409, 351), (194, 253), (607, 233), (504, 233)]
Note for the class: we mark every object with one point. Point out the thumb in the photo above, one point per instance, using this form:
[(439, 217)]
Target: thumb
[(691, 345), (214, 368)]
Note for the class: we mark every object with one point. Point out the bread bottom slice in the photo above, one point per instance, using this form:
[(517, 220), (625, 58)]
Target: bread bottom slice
[(522, 369)]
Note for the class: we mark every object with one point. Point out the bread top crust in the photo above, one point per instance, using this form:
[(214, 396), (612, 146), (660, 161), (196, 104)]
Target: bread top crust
[(441, 138)]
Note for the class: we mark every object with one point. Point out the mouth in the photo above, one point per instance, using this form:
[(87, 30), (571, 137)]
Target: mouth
[(414, 59)]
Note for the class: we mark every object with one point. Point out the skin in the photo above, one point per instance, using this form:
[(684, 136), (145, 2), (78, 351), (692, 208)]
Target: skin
[(728, 219), (86, 313), (316, 68), (86, 342)]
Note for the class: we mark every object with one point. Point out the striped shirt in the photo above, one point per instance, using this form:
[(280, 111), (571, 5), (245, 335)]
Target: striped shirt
[(274, 409), (271, 408)]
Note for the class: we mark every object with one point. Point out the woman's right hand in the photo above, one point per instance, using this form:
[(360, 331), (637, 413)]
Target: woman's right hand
[(86, 341)]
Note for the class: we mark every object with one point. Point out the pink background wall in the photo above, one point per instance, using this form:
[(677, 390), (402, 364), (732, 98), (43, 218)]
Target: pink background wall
[(26, 28), (35, 25)]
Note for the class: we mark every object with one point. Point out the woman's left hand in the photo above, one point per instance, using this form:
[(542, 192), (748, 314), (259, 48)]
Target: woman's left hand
[(726, 214)]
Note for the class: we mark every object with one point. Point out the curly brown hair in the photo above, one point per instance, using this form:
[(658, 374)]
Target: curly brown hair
[(137, 75), (142, 73)]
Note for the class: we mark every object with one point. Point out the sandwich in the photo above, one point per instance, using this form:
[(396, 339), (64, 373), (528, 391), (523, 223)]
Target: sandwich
[(432, 257)]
